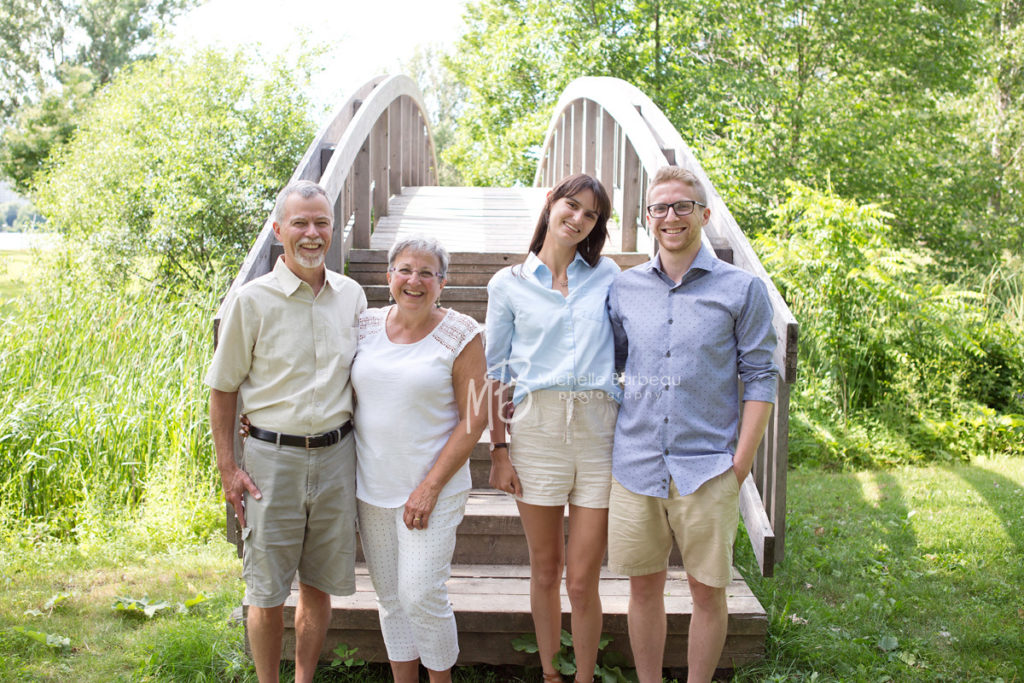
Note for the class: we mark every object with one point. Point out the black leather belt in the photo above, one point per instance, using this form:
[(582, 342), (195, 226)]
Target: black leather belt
[(316, 441)]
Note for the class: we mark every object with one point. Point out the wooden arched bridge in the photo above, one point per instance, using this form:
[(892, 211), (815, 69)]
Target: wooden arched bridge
[(377, 162)]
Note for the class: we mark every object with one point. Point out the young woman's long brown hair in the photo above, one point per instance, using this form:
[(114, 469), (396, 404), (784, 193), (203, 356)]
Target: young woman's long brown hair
[(590, 248)]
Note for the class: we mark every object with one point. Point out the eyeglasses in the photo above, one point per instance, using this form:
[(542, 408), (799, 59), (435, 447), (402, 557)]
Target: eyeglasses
[(681, 208), (424, 274)]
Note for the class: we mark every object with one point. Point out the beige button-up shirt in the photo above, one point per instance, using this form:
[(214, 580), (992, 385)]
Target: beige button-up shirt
[(288, 352)]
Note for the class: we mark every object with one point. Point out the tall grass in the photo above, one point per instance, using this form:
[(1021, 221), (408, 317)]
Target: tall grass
[(102, 410)]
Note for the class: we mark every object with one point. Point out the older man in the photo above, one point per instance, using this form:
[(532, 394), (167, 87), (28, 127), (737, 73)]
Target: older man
[(286, 345), (685, 325)]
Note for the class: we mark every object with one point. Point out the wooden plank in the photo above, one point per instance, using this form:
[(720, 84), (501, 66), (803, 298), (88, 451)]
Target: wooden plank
[(759, 527), (492, 607)]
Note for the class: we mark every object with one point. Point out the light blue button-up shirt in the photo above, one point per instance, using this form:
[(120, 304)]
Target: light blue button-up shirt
[(682, 347), (544, 340)]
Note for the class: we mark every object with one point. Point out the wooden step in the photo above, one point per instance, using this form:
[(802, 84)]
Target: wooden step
[(492, 607), (492, 532)]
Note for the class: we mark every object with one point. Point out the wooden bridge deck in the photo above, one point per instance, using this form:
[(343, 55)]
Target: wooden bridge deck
[(469, 219)]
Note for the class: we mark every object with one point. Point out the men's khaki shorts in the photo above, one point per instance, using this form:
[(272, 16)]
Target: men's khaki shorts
[(704, 523), (561, 447), (305, 520)]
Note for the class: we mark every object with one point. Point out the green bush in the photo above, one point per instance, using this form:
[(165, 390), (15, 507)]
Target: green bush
[(896, 364)]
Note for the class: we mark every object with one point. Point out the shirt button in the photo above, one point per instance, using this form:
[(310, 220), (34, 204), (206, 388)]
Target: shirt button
[(670, 321), (668, 354), (666, 420), (666, 453)]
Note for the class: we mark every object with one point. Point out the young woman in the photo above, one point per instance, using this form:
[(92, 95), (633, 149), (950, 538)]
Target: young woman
[(548, 333)]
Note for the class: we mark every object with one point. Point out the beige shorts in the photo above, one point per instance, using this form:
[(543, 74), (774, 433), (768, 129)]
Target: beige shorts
[(561, 447), (305, 520), (704, 523)]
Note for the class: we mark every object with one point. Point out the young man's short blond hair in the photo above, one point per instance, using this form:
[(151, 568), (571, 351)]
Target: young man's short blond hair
[(667, 174)]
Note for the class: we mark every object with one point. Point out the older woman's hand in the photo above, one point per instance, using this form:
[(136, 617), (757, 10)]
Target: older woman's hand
[(419, 506)]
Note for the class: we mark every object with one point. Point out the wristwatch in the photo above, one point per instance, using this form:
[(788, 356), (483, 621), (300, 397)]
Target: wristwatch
[(497, 445)]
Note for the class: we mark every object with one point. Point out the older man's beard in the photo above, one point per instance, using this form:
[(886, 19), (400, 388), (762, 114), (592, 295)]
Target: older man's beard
[(307, 261)]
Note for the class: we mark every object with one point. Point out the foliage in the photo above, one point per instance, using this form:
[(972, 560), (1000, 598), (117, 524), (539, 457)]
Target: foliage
[(511, 61), (345, 658), (889, 99), (443, 99), (610, 668), (20, 217), (173, 169), (929, 369), (53, 53)]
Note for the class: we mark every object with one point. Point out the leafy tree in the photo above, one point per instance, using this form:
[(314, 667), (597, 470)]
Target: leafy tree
[(173, 168), (788, 90), (443, 99), (53, 53)]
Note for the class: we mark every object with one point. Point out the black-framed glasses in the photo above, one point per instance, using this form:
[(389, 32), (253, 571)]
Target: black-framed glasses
[(681, 208), (424, 274)]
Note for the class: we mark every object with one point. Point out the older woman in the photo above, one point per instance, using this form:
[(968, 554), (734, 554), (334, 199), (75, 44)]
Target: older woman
[(416, 366), (547, 329)]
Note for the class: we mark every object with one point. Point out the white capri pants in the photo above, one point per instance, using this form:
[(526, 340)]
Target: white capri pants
[(409, 569)]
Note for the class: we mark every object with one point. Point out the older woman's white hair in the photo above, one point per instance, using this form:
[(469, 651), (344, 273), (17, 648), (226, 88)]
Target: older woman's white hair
[(422, 244)]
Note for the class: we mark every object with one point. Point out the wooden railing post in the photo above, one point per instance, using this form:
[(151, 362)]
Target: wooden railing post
[(379, 168), (395, 147), (361, 198), (590, 138), (630, 196), (577, 137), (566, 144), (607, 167), (408, 157)]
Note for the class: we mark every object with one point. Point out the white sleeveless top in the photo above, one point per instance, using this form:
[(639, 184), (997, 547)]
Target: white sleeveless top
[(405, 407)]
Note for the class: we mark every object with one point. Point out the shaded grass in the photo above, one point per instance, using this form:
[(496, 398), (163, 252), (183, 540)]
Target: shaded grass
[(912, 574)]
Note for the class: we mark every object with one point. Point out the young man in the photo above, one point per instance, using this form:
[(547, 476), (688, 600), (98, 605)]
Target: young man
[(685, 325), (286, 345)]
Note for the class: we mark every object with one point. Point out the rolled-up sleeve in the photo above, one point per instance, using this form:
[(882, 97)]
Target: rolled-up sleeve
[(755, 345), (618, 331)]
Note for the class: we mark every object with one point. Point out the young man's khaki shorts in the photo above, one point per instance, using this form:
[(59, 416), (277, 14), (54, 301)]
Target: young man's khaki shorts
[(305, 520), (561, 447), (640, 530)]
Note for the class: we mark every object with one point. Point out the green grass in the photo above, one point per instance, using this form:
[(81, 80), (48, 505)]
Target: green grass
[(910, 574)]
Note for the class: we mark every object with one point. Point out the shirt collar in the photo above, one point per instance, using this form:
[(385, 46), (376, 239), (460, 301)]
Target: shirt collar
[(532, 264), (704, 260), (290, 282)]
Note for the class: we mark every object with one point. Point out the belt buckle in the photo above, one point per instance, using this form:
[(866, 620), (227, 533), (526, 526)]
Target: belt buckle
[(307, 443)]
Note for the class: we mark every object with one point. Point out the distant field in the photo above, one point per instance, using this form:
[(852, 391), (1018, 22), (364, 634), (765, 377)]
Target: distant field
[(15, 267)]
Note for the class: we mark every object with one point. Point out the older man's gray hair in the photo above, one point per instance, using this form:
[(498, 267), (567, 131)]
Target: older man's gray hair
[(305, 189)]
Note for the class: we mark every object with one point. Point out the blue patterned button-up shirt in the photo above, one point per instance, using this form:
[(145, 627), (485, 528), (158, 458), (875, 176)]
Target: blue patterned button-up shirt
[(681, 348)]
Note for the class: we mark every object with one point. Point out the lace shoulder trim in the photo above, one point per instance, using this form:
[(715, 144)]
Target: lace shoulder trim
[(455, 331), (371, 322)]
